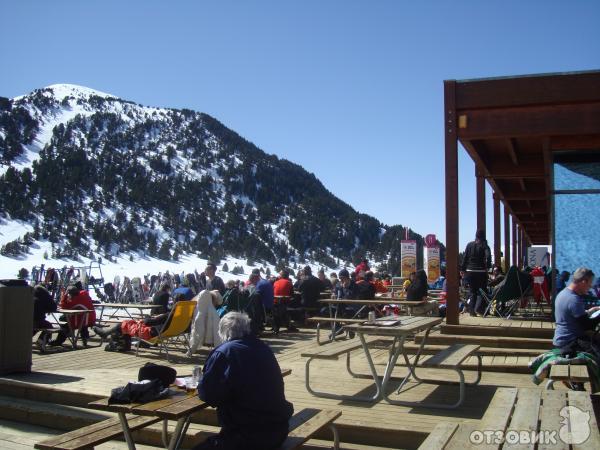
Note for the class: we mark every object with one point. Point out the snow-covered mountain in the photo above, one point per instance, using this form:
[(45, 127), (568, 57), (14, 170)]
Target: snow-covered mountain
[(98, 176)]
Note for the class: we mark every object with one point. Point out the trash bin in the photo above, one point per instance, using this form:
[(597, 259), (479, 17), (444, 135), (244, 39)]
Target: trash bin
[(16, 326)]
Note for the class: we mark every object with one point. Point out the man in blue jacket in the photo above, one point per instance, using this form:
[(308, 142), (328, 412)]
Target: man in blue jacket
[(242, 379)]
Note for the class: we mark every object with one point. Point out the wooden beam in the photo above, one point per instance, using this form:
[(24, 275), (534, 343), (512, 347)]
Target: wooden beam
[(589, 142), (542, 121), (522, 184), (511, 146), (525, 196), (530, 210), (528, 90), (451, 185), (517, 174)]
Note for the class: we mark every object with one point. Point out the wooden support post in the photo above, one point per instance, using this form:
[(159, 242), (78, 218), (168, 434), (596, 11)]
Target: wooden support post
[(520, 246), (496, 230), (506, 240), (451, 162), (480, 188), (514, 242)]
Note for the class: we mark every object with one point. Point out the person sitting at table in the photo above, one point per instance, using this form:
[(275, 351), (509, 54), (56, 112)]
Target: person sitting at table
[(76, 298), (417, 290), (345, 290), (408, 281), (282, 288), (310, 288), (361, 269), (161, 298), (365, 287), (243, 381), (572, 319), (42, 304), (326, 282), (185, 290)]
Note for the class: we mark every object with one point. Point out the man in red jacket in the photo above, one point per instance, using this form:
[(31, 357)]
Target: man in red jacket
[(361, 269), (75, 298), (283, 290)]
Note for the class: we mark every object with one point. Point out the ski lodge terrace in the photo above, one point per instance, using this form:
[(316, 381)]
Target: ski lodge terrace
[(521, 132), (53, 398)]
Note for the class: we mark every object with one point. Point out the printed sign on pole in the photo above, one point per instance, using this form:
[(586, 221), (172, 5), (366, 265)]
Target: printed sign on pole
[(432, 262), (408, 257)]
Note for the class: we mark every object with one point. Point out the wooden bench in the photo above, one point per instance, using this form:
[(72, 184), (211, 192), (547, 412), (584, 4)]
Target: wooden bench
[(333, 351), (305, 423), (95, 434), (334, 321), (572, 373), (452, 358), (515, 410)]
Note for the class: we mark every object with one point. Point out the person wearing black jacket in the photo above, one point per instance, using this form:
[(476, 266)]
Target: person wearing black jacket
[(42, 304), (161, 298), (212, 282), (310, 288), (417, 290), (475, 265)]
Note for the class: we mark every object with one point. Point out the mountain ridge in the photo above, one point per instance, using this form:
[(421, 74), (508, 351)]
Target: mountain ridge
[(166, 182)]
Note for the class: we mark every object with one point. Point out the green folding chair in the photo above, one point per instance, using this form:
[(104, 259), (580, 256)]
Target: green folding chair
[(507, 295)]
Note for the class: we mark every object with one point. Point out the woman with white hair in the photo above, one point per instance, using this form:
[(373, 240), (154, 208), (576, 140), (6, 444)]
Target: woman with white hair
[(242, 379), (206, 321)]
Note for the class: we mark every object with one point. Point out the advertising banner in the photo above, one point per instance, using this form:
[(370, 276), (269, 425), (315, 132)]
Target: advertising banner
[(432, 263), (538, 256), (408, 257)]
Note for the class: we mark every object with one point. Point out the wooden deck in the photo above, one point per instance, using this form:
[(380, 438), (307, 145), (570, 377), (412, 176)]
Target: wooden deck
[(78, 376)]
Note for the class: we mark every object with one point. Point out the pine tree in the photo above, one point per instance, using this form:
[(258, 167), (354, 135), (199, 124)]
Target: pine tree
[(165, 250)]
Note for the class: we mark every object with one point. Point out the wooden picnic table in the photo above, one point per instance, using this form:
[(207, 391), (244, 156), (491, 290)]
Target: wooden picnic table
[(143, 309), (406, 327), (178, 406), (559, 419), (74, 332), (363, 304)]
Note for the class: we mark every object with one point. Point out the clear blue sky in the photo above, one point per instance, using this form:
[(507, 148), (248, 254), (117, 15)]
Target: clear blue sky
[(351, 90)]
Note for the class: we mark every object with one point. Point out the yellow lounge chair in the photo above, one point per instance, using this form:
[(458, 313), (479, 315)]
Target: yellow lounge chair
[(177, 326)]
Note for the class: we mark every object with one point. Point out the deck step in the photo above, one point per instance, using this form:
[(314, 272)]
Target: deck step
[(68, 418)]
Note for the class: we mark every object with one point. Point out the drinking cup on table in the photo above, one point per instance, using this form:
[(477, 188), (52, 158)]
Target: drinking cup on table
[(371, 318), (190, 383), (197, 373)]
